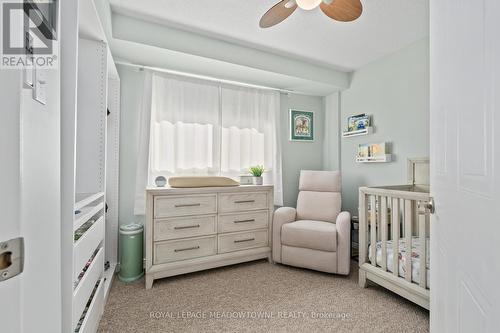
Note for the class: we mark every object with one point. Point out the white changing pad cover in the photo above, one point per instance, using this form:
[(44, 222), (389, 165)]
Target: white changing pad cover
[(415, 258)]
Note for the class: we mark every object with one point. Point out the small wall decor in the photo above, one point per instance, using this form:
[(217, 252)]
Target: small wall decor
[(373, 152), (357, 125), (301, 125), (358, 122)]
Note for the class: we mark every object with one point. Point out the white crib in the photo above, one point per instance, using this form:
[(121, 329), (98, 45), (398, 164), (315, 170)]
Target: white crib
[(393, 219)]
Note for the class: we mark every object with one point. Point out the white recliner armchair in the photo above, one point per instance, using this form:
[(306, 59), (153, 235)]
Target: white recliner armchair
[(315, 235)]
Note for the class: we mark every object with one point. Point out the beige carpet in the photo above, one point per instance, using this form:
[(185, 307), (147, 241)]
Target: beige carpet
[(259, 297)]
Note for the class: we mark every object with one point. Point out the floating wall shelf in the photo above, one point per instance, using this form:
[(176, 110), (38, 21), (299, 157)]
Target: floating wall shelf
[(364, 131), (375, 159)]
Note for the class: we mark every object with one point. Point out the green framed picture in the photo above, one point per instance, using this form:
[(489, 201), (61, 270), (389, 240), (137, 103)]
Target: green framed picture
[(301, 125)]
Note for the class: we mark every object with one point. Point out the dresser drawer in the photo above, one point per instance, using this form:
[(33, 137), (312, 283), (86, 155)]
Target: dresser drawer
[(183, 227), (174, 250), (235, 202), (243, 221), (169, 206), (242, 240)]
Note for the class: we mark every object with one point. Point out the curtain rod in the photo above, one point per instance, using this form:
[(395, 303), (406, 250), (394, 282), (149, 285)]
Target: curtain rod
[(208, 78)]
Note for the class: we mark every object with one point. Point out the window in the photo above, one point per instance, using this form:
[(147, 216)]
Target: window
[(200, 127)]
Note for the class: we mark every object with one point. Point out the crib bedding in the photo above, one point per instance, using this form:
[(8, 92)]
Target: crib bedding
[(415, 258)]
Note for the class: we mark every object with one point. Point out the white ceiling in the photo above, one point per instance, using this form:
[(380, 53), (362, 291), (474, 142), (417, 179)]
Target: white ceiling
[(385, 27)]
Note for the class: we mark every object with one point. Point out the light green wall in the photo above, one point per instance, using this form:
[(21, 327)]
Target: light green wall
[(395, 91), (131, 90), (296, 155), (300, 155)]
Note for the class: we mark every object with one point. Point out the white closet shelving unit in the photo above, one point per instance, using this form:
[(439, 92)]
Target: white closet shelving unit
[(90, 172)]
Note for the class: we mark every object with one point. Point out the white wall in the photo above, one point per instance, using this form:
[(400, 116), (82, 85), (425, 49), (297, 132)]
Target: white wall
[(395, 91), (296, 155)]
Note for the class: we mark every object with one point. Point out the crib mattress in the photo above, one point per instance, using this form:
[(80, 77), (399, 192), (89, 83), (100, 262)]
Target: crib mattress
[(415, 258)]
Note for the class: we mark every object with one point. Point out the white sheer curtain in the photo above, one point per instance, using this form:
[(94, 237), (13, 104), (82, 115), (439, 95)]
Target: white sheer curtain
[(185, 126), (251, 134), (144, 124), (190, 126)]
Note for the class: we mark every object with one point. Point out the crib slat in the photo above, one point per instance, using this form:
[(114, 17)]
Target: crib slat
[(373, 230), (363, 229), (383, 227), (395, 236), (378, 211), (423, 249), (408, 234)]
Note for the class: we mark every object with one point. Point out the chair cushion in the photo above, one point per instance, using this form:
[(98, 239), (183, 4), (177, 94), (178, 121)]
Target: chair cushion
[(316, 235), (318, 206), (320, 181)]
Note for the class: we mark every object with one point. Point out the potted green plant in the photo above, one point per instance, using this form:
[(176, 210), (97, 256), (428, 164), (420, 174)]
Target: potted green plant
[(257, 172)]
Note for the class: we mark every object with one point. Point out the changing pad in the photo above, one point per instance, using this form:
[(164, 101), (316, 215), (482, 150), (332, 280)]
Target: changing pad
[(201, 181)]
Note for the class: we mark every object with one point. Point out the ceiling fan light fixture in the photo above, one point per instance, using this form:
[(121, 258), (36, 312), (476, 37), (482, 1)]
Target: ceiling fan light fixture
[(308, 4)]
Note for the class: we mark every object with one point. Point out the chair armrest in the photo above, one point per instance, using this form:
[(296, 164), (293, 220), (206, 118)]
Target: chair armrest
[(282, 215), (343, 224)]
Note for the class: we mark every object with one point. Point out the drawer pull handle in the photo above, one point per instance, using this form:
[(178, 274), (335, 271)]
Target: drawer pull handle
[(187, 227), (188, 205), (244, 201), (245, 221), (187, 249), (244, 240)]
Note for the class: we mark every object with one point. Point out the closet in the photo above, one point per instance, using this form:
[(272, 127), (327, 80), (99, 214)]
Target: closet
[(89, 163)]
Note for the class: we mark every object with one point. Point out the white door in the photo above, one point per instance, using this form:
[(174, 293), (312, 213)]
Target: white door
[(30, 204), (10, 319), (465, 165)]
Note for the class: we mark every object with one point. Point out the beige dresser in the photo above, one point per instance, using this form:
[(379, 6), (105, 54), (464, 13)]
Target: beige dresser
[(189, 230)]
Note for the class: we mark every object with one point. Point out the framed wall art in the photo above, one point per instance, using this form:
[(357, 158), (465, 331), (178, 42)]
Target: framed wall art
[(301, 125)]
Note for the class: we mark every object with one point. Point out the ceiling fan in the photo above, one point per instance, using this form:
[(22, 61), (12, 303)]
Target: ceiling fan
[(339, 10)]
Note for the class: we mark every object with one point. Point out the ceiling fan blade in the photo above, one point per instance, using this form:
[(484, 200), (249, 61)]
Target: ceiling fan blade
[(343, 10), (277, 13)]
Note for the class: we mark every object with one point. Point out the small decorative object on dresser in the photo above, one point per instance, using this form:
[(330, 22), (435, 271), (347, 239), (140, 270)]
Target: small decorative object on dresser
[(301, 125), (373, 152), (246, 180), (257, 172), (160, 181), (191, 229)]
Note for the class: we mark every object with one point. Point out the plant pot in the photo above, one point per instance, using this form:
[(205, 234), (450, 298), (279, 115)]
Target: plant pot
[(258, 180)]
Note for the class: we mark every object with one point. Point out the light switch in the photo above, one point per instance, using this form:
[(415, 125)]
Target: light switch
[(40, 85), (28, 71)]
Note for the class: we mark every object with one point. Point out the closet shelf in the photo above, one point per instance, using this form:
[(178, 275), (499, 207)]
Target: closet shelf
[(364, 131), (375, 159), (86, 214), (84, 199)]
